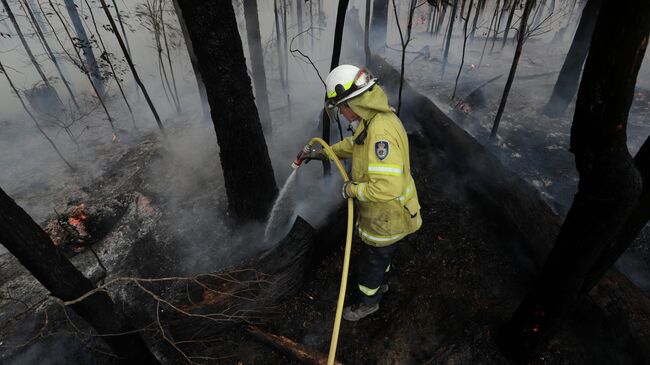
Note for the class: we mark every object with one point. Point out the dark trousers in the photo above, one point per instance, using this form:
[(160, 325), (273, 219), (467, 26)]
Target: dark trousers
[(373, 271)]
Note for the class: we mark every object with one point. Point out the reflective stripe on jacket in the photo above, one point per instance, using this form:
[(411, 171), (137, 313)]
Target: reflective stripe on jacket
[(388, 207)]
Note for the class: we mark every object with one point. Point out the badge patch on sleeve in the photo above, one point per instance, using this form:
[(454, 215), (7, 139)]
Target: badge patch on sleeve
[(381, 149)]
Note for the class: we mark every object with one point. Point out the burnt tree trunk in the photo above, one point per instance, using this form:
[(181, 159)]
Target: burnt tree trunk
[(609, 187), (509, 23), (366, 32), (450, 31), (632, 226), (129, 61), (257, 63), (521, 38), (85, 44), (465, 36), (278, 41), (25, 239), (250, 191), (299, 20), (378, 25), (569, 77)]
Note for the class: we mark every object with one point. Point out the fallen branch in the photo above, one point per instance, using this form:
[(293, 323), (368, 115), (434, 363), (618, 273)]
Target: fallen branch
[(298, 351)]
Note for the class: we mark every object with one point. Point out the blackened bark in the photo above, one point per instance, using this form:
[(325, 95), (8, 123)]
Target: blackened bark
[(521, 38), (33, 248), (248, 174), (569, 77), (610, 184), (257, 63), (632, 226), (378, 25)]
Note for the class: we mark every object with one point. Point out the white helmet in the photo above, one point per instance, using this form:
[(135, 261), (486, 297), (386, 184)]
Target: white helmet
[(345, 82)]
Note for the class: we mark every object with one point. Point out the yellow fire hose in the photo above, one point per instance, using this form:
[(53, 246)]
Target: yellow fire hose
[(346, 257)]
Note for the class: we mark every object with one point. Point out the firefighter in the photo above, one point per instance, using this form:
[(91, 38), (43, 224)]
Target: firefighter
[(381, 182)]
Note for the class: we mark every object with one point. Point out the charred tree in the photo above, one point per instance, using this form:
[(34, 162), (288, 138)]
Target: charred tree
[(285, 44), (336, 56), (257, 63), (278, 42), (84, 68), (299, 20), (119, 20), (127, 56), (633, 225), (107, 57), (366, 32), (509, 23), (450, 30), (521, 38), (569, 77), (221, 61), (610, 187), (405, 39), (378, 25), (465, 36), (498, 26), (85, 44), (175, 95), (195, 63), (28, 50), (25, 239), (46, 46), (487, 36)]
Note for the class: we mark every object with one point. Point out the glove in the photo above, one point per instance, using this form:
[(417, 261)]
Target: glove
[(316, 155), (346, 190)]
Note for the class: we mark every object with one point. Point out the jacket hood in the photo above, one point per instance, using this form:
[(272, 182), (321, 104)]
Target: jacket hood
[(368, 104)]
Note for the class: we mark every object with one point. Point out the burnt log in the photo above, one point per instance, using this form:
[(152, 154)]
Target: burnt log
[(298, 351)]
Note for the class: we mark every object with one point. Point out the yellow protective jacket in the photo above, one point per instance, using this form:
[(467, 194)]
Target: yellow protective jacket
[(387, 201)]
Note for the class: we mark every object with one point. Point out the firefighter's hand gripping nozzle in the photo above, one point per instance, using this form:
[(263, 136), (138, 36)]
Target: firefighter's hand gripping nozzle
[(301, 156)]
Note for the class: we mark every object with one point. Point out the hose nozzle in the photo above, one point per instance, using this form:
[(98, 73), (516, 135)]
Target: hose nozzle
[(301, 156)]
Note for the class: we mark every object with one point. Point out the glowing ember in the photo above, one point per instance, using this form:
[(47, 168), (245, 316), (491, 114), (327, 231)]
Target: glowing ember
[(78, 218)]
